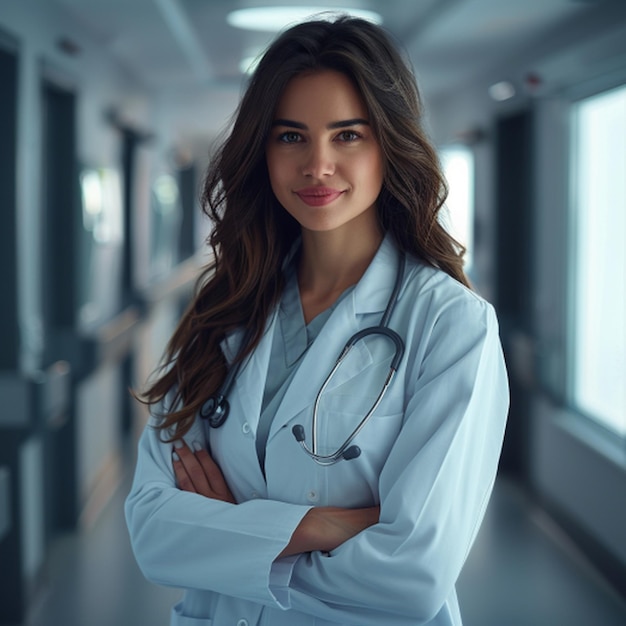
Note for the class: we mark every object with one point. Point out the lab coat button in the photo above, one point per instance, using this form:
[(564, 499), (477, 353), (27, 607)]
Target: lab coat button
[(242, 622), (245, 428), (312, 496), (254, 494)]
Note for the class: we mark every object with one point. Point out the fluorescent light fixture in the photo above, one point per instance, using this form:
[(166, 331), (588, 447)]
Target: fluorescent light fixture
[(273, 19), (504, 90)]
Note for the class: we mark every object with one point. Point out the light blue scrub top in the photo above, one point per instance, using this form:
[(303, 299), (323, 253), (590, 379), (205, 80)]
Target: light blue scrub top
[(292, 339)]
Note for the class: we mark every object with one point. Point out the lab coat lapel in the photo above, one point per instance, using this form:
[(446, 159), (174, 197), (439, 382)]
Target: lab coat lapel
[(247, 393), (369, 296), (232, 344)]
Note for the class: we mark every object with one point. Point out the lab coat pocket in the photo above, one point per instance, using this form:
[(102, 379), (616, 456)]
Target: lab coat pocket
[(178, 619), (354, 482), (341, 414)]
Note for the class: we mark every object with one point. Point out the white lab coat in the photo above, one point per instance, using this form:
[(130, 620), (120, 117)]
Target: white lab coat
[(429, 458)]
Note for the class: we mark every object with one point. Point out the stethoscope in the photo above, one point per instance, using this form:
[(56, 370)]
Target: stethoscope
[(216, 409)]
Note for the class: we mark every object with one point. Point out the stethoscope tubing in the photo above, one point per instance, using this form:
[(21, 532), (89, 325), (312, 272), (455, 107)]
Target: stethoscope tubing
[(376, 330), (345, 450), (217, 407), (330, 459)]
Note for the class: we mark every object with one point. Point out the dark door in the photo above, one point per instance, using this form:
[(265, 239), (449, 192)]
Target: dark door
[(60, 221), (514, 250)]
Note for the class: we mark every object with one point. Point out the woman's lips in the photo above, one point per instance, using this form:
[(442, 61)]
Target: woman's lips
[(318, 196)]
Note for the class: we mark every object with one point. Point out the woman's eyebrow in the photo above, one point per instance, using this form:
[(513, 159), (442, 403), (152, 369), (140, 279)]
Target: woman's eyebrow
[(357, 121), (289, 124)]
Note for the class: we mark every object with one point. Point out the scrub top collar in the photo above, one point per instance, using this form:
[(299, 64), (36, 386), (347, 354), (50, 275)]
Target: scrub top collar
[(297, 335)]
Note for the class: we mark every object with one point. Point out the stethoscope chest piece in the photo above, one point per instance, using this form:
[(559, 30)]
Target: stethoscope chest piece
[(215, 410)]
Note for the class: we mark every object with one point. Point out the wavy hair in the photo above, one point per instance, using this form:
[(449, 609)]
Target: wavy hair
[(252, 232)]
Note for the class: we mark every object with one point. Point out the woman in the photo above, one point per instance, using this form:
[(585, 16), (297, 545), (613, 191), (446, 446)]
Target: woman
[(325, 198)]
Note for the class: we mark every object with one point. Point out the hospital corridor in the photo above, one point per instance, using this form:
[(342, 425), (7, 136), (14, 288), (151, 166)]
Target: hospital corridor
[(110, 111)]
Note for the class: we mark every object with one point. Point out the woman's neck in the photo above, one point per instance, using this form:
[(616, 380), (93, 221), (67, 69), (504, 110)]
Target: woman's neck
[(330, 262)]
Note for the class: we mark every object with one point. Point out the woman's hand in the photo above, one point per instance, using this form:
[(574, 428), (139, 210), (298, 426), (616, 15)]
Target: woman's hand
[(322, 528), (197, 472), (326, 528)]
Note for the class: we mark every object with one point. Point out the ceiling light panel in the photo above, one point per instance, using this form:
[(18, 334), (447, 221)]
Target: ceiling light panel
[(273, 19)]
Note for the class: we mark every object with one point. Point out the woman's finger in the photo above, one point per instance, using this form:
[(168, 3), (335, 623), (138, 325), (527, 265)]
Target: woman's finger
[(215, 477), (189, 472), (182, 478)]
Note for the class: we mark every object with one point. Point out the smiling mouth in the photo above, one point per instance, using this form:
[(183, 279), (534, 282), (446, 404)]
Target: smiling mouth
[(318, 196)]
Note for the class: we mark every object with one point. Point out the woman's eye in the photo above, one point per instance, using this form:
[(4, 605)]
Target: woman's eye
[(348, 136), (289, 137)]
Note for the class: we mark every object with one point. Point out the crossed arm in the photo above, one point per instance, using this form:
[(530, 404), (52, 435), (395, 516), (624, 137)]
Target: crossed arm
[(322, 528)]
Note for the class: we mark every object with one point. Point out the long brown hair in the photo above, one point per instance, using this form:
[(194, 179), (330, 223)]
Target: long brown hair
[(252, 233)]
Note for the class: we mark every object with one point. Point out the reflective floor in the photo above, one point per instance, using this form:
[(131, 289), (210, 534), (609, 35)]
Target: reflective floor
[(524, 571), (521, 572)]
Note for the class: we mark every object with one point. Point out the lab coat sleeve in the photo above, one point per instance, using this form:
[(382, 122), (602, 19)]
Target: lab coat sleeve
[(434, 486), (186, 540)]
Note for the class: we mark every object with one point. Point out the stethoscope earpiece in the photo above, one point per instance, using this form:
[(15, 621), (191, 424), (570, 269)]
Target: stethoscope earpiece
[(351, 453), (298, 433), (342, 453)]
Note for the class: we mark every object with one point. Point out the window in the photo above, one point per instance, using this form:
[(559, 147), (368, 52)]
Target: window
[(100, 240), (598, 260), (458, 213)]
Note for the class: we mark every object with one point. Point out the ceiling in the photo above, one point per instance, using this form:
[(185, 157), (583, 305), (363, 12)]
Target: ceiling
[(186, 51)]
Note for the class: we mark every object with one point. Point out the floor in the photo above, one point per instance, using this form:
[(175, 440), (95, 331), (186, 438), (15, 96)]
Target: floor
[(521, 572), (524, 571)]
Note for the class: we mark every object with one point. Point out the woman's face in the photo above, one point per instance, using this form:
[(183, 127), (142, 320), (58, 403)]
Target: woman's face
[(325, 164)]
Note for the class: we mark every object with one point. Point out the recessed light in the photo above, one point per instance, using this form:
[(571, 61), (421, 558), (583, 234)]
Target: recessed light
[(273, 19)]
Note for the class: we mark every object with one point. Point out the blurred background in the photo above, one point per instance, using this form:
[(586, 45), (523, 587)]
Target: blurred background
[(109, 110)]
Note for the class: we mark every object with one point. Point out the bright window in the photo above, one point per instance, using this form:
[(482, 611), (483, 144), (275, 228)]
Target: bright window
[(598, 260), (458, 213)]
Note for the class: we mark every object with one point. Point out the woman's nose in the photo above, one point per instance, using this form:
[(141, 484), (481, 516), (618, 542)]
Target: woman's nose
[(319, 161)]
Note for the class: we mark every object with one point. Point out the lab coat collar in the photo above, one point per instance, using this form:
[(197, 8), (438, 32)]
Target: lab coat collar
[(247, 393), (231, 344), (372, 292)]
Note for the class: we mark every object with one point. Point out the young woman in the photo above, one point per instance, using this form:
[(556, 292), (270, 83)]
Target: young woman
[(274, 486)]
